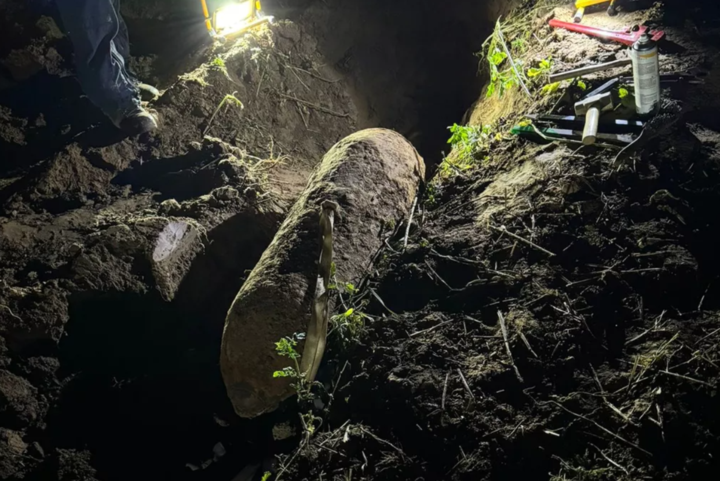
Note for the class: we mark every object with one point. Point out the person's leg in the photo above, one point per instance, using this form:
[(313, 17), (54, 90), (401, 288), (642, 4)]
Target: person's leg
[(93, 26), (122, 39)]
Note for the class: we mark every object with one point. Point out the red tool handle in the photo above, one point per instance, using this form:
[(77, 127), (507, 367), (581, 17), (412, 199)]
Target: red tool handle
[(621, 36)]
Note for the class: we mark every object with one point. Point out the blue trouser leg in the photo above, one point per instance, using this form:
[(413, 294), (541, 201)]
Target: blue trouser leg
[(100, 41)]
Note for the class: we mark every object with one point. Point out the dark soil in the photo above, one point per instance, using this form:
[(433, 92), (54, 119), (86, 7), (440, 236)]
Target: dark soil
[(606, 288), (120, 257)]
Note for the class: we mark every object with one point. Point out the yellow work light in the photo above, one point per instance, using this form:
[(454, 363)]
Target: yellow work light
[(581, 5), (233, 18)]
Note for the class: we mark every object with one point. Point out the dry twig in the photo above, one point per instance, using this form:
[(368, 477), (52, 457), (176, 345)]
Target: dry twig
[(444, 394), (504, 230), (602, 428), (409, 223), (503, 328), (465, 384)]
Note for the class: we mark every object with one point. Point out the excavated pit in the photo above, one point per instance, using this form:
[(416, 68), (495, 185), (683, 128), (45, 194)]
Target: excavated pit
[(110, 357)]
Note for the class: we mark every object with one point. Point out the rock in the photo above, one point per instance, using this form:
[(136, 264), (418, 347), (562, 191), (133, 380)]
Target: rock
[(37, 450), (173, 250), (219, 451), (165, 245), (48, 26), (169, 207), (12, 440), (12, 129), (373, 176), (12, 448), (282, 431), (75, 465), (18, 403)]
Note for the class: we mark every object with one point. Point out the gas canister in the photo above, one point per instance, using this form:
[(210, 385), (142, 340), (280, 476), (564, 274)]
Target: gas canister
[(646, 75)]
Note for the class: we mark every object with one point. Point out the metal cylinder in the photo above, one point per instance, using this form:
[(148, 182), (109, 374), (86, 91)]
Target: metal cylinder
[(646, 74), (592, 122), (372, 176)]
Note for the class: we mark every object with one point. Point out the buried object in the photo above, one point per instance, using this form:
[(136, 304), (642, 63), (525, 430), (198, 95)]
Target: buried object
[(372, 178)]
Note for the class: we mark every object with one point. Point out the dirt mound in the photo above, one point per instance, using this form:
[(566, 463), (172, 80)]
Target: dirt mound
[(120, 257)]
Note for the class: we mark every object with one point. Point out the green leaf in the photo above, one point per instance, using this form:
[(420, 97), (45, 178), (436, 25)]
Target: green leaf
[(545, 64), (497, 57), (350, 287), (349, 312), (286, 372), (534, 72), (266, 475), (582, 85), (490, 90), (623, 92), (551, 88)]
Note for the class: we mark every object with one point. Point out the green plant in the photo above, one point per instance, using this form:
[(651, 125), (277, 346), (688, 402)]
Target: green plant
[(266, 475), (541, 70), (229, 99), (505, 70), (468, 142), (348, 325), (469, 139), (551, 88), (286, 347), (431, 194), (218, 63)]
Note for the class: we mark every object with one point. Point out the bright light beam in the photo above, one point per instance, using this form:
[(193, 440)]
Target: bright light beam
[(234, 17)]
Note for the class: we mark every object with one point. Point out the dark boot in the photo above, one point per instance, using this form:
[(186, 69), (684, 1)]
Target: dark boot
[(138, 122)]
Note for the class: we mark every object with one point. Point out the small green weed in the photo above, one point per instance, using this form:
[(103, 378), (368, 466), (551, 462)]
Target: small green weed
[(433, 191), (266, 475), (348, 325), (551, 88), (468, 142), (286, 347), (390, 224), (218, 63), (502, 74), (468, 139), (541, 70)]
